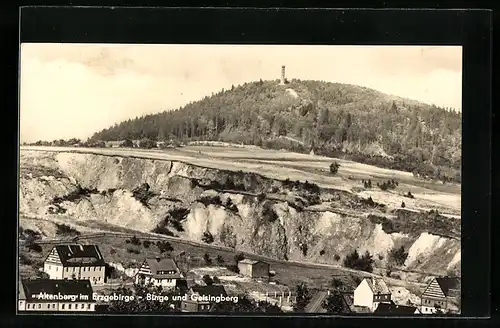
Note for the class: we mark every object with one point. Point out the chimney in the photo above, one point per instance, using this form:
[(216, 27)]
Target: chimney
[(283, 74)]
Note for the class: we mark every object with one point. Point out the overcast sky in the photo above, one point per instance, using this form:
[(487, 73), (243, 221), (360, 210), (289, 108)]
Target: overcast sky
[(74, 90)]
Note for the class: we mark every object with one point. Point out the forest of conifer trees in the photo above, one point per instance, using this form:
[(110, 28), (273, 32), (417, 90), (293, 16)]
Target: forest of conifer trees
[(334, 119)]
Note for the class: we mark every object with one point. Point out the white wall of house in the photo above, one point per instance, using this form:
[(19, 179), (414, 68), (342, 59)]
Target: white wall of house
[(55, 271), (165, 283), (363, 295), (96, 274), (21, 305)]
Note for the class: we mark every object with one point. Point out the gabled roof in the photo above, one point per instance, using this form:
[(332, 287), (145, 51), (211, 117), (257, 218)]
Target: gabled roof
[(80, 255), (248, 261), (378, 285), (214, 290), (34, 287), (21, 293), (386, 308), (447, 284), (164, 264)]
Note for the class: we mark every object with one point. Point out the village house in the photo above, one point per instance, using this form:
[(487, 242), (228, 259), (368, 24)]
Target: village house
[(162, 272), (394, 309), (253, 268), (76, 262), (55, 295), (202, 298), (371, 292), (439, 294)]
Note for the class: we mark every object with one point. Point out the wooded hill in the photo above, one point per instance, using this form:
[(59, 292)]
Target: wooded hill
[(334, 119)]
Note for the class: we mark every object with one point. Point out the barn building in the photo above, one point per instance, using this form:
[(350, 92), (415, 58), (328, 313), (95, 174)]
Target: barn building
[(439, 294), (76, 262), (253, 268), (53, 295), (162, 272), (371, 292)]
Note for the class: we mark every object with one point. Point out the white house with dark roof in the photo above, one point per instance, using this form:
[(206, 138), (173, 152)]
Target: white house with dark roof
[(49, 295), (162, 272), (76, 262), (439, 294), (253, 268), (371, 292)]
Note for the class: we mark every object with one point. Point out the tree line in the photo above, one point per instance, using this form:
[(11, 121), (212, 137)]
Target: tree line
[(333, 119)]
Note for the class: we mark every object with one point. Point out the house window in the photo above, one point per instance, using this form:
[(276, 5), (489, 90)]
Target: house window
[(62, 306), (66, 269), (39, 306), (83, 306), (49, 267), (53, 306), (83, 268), (94, 268), (27, 306), (57, 269), (69, 306), (88, 306)]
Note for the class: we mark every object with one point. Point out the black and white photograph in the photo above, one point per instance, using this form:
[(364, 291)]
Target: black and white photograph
[(217, 178)]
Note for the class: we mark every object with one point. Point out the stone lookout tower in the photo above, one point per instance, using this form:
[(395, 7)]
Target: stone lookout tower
[(283, 76)]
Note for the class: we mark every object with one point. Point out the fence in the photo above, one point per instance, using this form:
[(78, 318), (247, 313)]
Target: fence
[(279, 298)]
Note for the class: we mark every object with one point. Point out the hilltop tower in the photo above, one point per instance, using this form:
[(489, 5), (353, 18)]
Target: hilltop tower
[(283, 78)]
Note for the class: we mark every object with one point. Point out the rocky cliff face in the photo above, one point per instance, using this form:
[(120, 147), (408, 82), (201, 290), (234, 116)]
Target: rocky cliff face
[(282, 219)]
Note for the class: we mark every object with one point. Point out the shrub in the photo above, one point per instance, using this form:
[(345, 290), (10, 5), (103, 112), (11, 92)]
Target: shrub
[(403, 205), (233, 267), (216, 280), (268, 212), (336, 257), (162, 229), (164, 246), (409, 195), (303, 248), (322, 252), (63, 229), (143, 194), (127, 143), (210, 200), (334, 167), (261, 197), (146, 243), (208, 280), (207, 237), (239, 257), (133, 250), (398, 255), (112, 251), (135, 241), (364, 263), (231, 206), (147, 143), (23, 259), (207, 259), (220, 260)]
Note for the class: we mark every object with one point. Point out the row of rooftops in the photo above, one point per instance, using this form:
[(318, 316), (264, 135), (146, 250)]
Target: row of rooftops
[(30, 289), (447, 285)]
